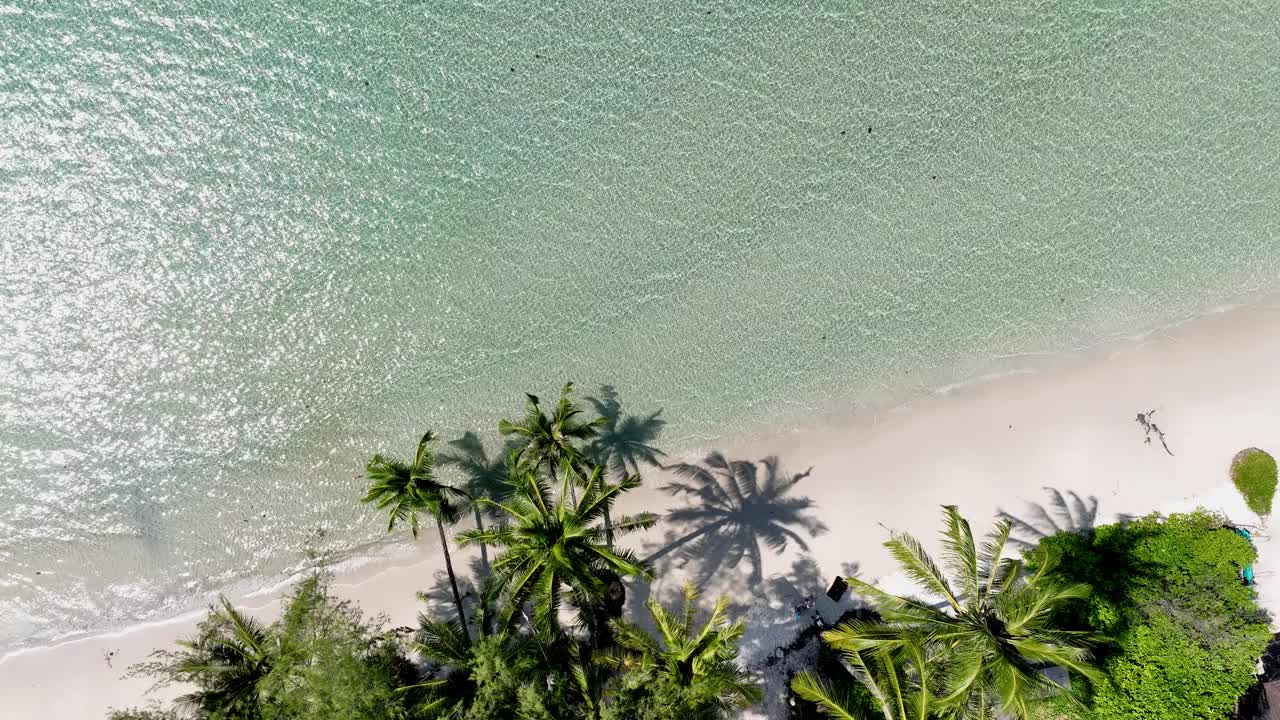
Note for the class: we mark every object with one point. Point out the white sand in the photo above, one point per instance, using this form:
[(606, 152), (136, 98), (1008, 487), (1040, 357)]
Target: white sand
[(984, 447)]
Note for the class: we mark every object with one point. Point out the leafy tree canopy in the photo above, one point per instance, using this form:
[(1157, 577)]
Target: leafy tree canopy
[(1185, 631)]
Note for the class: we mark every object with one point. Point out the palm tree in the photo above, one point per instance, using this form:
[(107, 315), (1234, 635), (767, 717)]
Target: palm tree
[(226, 661), (405, 490), (988, 631), (735, 512), (550, 439), (900, 682), (456, 683), (553, 545), (485, 476), (702, 662)]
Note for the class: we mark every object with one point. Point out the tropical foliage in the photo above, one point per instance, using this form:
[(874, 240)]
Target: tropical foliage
[(552, 547), (974, 648), (404, 490), (501, 675), (1186, 632), (320, 660), (1149, 618), (686, 672), (554, 440)]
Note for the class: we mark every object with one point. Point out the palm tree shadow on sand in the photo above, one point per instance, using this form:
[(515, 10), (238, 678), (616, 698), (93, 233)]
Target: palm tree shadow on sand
[(437, 599), (1065, 512), (624, 442), (736, 511)]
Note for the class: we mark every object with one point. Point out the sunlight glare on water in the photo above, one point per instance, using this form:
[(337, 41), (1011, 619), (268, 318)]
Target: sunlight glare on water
[(245, 244)]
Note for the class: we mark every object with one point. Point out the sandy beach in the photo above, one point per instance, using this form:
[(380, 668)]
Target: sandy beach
[(988, 447)]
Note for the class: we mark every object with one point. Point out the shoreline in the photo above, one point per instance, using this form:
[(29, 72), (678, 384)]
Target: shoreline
[(988, 444), (845, 411)]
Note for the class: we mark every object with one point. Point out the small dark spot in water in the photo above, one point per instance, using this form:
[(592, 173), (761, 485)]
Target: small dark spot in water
[(1010, 427), (935, 177), (537, 56), (824, 337), (841, 132), (868, 131), (38, 572), (708, 12), (366, 83)]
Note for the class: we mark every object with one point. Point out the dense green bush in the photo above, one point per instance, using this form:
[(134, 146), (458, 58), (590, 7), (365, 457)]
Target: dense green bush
[(1185, 632), (320, 661), (1254, 474)]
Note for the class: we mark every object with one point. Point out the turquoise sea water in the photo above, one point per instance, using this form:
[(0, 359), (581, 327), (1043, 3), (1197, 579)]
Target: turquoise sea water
[(245, 244)]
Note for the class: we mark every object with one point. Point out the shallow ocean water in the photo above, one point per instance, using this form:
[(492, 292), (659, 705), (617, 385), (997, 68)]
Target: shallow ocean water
[(245, 244)]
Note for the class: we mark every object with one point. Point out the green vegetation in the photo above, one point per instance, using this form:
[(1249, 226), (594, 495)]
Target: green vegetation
[(974, 650), (1185, 631), (1254, 473), (1180, 633), (321, 660), (405, 490), (510, 658), (1150, 618), (686, 673), (551, 545)]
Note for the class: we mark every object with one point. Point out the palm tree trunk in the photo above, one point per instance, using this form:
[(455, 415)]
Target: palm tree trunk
[(453, 582), (484, 548)]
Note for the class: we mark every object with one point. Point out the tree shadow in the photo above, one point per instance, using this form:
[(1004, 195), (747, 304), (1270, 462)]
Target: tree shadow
[(437, 599), (1065, 512), (624, 442), (740, 509), (483, 475)]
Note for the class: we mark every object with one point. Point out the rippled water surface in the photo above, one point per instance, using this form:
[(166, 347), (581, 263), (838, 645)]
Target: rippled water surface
[(244, 244)]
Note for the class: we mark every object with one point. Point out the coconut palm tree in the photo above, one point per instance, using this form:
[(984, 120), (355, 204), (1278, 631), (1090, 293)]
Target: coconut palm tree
[(986, 632), (226, 661), (463, 666), (736, 512), (701, 662), (404, 490), (554, 440), (552, 545), (484, 476), (900, 682)]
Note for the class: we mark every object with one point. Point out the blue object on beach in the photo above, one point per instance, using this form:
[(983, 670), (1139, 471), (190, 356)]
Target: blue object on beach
[(1246, 574)]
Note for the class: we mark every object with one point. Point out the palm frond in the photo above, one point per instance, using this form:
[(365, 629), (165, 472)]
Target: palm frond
[(960, 553), (990, 556), (441, 641), (830, 702), (911, 555)]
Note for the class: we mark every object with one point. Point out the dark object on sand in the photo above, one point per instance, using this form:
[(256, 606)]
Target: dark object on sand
[(837, 589), (1149, 426)]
